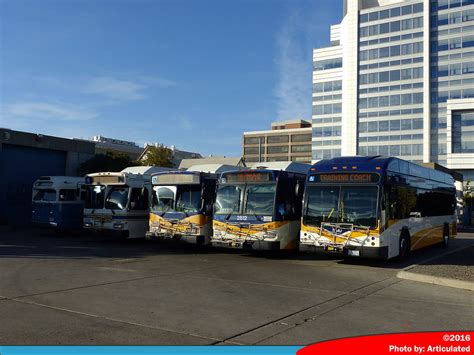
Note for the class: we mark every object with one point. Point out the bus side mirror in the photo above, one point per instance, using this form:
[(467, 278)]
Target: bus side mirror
[(299, 189)]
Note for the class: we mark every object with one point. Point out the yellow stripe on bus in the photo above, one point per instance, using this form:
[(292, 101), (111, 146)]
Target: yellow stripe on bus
[(198, 220), (251, 229)]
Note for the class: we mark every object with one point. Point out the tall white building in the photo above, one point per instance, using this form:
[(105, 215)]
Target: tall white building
[(398, 80)]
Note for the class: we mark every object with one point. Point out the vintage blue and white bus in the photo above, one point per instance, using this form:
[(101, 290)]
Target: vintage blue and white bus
[(260, 208), (56, 202), (182, 204), (376, 207), (118, 203)]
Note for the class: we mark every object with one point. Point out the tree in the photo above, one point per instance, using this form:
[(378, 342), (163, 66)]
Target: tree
[(112, 162), (158, 156)]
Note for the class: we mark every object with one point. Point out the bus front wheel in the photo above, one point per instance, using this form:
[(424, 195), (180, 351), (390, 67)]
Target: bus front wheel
[(404, 246)]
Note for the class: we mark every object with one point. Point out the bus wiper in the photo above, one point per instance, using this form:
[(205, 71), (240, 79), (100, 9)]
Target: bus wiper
[(164, 212), (257, 217), (228, 216)]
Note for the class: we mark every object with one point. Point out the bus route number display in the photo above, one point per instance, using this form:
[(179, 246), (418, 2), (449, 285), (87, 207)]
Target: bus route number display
[(248, 177), (352, 178)]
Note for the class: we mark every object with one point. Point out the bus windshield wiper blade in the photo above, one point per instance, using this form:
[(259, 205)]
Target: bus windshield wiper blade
[(164, 212)]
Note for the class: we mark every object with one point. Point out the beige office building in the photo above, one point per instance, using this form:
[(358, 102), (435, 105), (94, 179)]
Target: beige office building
[(286, 141)]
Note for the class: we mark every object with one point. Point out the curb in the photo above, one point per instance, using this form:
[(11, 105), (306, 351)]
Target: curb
[(435, 280)]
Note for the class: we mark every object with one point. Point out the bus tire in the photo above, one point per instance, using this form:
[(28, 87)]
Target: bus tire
[(446, 237), (404, 245)]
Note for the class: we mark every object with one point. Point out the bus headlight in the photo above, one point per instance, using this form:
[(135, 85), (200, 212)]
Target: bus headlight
[(51, 212), (87, 225), (118, 225)]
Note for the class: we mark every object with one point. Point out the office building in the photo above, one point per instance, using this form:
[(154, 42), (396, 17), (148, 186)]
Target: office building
[(286, 141), (104, 145), (398, 80)]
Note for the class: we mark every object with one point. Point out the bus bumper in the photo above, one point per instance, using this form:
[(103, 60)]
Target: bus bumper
[(349, 251), (247, 245), (185, 238), (366, 252)]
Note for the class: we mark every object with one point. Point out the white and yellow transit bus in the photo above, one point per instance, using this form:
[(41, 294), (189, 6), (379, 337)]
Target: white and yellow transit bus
[(260, 208), (376, 207), (118, 203), (182, 204)]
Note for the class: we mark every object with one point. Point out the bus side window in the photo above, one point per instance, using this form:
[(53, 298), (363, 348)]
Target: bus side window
[(392, 203), (67, 195)]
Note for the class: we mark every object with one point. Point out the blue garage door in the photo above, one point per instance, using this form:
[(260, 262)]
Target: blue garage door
[(19, 168)]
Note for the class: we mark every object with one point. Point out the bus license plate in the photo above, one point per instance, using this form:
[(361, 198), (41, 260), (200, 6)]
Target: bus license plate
[(353, 252)]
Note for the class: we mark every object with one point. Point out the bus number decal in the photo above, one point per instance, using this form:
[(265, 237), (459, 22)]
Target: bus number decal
[(241, 218)]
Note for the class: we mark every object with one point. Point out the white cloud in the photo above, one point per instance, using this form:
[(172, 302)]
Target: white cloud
[(293, 89), (47, 111), (114, 88)]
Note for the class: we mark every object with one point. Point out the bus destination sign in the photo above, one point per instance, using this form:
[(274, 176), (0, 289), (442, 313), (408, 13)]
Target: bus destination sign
[(350, 178), (248, 177)]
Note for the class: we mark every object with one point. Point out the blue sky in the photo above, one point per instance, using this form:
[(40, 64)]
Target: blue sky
[(193, 73)]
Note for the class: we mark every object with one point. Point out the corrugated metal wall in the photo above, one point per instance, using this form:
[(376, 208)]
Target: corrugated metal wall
[(19, 168)]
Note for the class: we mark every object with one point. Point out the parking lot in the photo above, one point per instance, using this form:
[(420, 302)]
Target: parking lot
[(80, 289)]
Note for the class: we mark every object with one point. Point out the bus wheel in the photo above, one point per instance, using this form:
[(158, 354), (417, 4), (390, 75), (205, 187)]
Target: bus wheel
[(445, 242), (404, 246)]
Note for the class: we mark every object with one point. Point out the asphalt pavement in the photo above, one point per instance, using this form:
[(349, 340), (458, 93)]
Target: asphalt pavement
[(86, 290)]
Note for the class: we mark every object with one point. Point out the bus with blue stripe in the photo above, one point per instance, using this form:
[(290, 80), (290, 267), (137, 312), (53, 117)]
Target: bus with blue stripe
[(117, 203), (56, 202), (259, 208), (376, 207)]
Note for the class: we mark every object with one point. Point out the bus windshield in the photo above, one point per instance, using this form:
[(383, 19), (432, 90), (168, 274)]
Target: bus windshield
[(228, 199), (45, 195), (260, 199), (182, 198), (94, 196), (342, 204), (255, 199), (117, 198)]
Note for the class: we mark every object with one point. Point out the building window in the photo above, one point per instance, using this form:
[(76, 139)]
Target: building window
[(253, 151), (278, 139), (301, 138), (328, 64), (254, 140), (463, 132), (277, 150), (300, 148)]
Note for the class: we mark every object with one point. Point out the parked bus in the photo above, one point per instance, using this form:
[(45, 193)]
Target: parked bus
[(56, 202), (182, 204), (118, 203), (376, 207), (260, 208)]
